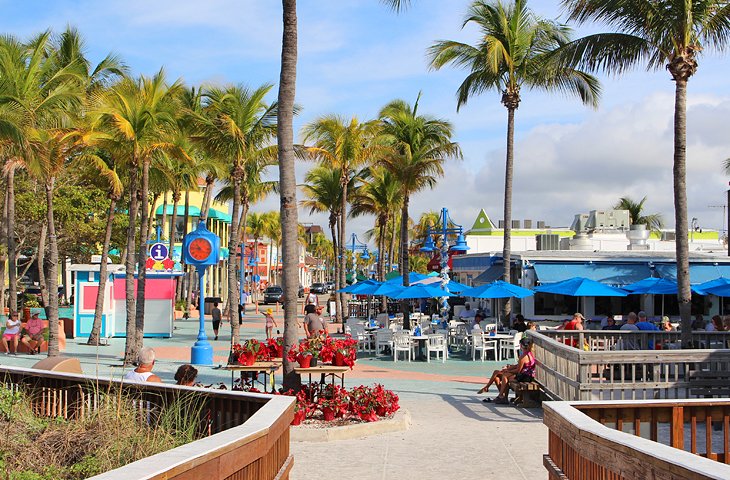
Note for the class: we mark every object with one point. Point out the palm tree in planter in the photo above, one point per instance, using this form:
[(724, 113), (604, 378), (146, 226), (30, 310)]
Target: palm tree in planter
[(514, 51), (653, 221), (418, 147), (661, 34)]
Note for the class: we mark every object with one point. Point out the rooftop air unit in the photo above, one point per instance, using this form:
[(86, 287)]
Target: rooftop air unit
[(548, 241)]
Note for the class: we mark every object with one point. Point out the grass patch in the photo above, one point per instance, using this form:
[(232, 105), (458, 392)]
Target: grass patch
[(120, 431)]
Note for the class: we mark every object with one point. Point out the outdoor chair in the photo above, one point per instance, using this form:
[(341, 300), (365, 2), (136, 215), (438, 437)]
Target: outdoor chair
[(487, 326), (436, 343), (461, 337), (363, 338), (402, 343), (383, 338), (511, 350), (482, 345)]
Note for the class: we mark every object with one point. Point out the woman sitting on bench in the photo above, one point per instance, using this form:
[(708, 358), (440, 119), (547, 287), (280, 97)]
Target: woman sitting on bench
[(524, 371)]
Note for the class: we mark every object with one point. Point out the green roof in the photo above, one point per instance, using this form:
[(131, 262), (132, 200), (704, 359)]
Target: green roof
[(482, 222), (194, 211)]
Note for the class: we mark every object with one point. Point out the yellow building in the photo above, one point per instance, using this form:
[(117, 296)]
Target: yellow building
[(218, 222)]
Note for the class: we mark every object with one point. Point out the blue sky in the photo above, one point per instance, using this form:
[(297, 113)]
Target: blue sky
[(356, 55)]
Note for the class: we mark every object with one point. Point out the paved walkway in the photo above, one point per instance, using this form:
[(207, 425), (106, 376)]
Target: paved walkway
[(453, 433)]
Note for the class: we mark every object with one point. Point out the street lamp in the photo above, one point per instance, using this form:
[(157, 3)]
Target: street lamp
[(355, 245), (429, 246)]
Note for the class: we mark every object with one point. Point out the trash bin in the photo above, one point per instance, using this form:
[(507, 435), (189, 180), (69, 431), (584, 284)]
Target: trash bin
[(209, 301)]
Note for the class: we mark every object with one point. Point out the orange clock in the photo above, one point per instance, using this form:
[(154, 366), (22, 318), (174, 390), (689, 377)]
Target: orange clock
[(200, 249)]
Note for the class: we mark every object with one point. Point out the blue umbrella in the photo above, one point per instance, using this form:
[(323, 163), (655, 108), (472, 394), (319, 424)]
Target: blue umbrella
[(413, 277), (356, 288), (422, 291), (498, 289), (721, 285), (657, 286), (453, 286), (389, 290), (581, 287)]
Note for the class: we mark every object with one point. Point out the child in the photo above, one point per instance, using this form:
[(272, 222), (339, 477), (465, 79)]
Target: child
[(270, 322)]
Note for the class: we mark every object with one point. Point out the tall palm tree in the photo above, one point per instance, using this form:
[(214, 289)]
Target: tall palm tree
[(138, 117), (272, 223), (661, 34), (347, 145), (238, 125), (323, 193), (653, 221), (419, 146), (514, 51)]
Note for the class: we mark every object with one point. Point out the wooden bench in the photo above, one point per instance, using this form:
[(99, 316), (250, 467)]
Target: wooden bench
[(528, 394), (709, 383)]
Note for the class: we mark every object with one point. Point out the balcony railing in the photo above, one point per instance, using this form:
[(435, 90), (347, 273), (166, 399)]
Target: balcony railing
[(247, 434), (630, 440)]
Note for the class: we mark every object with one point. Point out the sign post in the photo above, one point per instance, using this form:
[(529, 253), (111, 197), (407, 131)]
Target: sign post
[(201, 249)]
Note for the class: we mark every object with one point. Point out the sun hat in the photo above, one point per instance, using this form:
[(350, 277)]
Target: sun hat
[(665, 319), (269, 311)]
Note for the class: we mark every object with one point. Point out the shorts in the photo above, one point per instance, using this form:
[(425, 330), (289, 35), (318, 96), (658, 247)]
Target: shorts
[(38, 337), (10, 336), (523, 377), (216, 324)]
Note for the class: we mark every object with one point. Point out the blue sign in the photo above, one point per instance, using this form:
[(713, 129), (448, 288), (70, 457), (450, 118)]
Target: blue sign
[(158, 251), (256, 278)]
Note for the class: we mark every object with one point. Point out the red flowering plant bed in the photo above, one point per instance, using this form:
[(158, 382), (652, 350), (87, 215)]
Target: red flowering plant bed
[(333, 402), (248, 352), (369, 403), (339, 351)]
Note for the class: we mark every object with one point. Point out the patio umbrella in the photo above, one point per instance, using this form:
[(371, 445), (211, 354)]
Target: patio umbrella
[(413, 277), (389, 289), (365, 288), (422, 291), (453, 286), (657, 286), (719, 286), (581, 287), (498, 289)]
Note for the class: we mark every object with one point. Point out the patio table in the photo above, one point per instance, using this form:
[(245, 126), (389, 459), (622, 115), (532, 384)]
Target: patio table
[(500, 337), (332, 370), (256, 369), (421, 339)]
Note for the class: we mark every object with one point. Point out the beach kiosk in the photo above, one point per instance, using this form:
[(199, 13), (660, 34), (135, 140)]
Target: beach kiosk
[(159, 301)]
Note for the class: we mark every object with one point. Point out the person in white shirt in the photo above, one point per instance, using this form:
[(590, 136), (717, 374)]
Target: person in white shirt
[(311, 299), (11, 333), (143, 373), (468, 315)]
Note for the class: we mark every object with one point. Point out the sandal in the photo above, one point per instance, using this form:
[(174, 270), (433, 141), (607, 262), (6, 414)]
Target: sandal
[(487, 400), (482, 390), (501, 401)]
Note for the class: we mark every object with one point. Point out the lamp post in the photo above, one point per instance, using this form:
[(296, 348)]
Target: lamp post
[(460, 245), (355, 245)]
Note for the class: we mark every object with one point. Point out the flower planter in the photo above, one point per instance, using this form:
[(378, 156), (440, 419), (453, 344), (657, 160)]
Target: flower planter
[(338, 360), (247, 359), (305, 361), (328, 414), (314, 362), (298, 417), (368, 416)]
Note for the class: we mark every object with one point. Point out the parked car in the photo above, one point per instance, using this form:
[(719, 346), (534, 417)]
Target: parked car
[(318, 288), (330, 287), (273, 294)]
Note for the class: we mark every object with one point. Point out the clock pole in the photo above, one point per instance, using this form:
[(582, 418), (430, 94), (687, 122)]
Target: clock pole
[(201, 352)]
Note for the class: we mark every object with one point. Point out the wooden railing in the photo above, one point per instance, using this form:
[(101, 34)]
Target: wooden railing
[(248, 433), (632, 440), (601, 340), (570, 373)]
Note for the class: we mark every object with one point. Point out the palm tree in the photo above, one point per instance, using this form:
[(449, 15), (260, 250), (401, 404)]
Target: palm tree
[(139, 119), (238, 125), (419, 146), (514, 51), (256, 226), (347, 146), (272, 229), (662, 34), (323, 193), (654, 221)]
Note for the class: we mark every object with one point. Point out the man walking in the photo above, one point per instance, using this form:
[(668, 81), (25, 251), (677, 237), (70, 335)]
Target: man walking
[(216, 313)]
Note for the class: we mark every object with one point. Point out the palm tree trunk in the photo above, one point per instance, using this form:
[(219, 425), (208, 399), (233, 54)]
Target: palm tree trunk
[(381, 258), (339, 283), (338, 299), (684, 293), (52, 305), (173, 222), (391, 248), (40, 261), (12, 246), (164, 217), (186, 287), (151, 216), (142, 257), (3, 256), (287, 183), (343, 249), (233, 239), (508, 170), (242, 242), (207, 198), (404, 259), (130, 352), (99, 307)]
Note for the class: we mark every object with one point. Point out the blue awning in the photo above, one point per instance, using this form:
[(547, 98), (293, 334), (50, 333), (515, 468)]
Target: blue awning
[(192, 210), (698, 273), (495, 272), (473, 262), (608, 273)]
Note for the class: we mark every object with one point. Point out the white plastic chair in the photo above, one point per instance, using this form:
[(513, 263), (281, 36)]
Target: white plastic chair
[(461, 337), (510, 350), (383, 338), (482, 345), (362, 337), (402, 343), (436, 343)]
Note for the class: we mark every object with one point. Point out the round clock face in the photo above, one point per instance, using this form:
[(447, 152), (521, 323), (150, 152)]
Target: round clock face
[(200, 249)]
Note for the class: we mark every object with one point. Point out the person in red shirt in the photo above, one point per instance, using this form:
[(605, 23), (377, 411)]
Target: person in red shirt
[(34, 333), (576, 323)]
